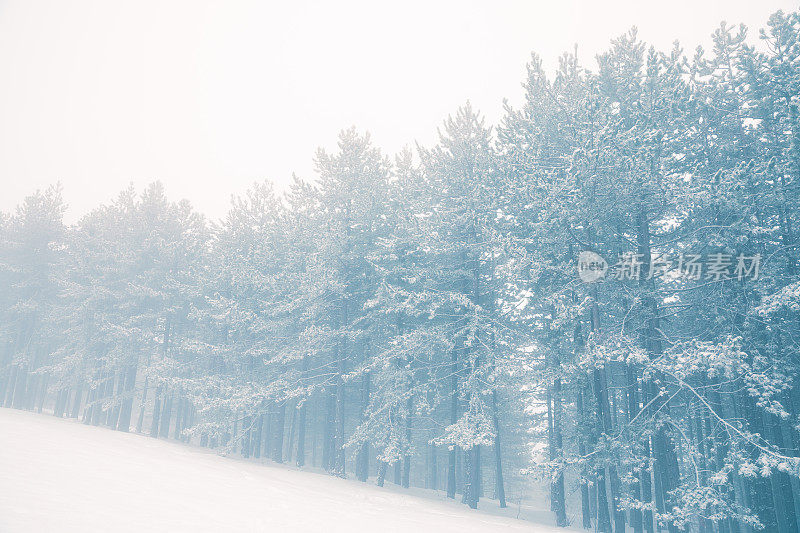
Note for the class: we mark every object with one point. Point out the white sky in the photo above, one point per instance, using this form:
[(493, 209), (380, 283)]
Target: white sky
[(210, 96)]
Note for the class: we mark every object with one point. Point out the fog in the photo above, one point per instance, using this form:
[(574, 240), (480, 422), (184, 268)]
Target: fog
[(209, 96)]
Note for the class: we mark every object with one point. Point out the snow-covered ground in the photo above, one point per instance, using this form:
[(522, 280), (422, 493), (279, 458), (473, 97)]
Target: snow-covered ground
[(61, 476)]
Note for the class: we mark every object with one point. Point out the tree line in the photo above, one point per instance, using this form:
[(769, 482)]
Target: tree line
[(421, 320)]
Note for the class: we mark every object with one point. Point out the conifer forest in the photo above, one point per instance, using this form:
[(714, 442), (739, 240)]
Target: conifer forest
[(598, 295)]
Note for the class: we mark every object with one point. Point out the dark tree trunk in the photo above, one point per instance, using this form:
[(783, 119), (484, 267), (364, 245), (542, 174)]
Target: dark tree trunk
[(188, 418), (268, 437), (247, 423), (406, 471), (12, 382), (381, 473), (255, 445), (666, 475), (315, 431), (586, 512), (451, 456), (475, 477), (434, 468), (234, 446), (499, 487), (124, 423), (362, 459), (155, 423), (117, 397), (603, 423), (337, 455), (300, 455), (633, 410), (76, 403), (142, 405), (28, 399), (460, 474), (61, 399), (97, 404), (20, 384), (42, 394), (180, 411), (327, 431), (166, 416), (86, 417), (280, 423), (603, 517), (338, 450), (700, 442), (407, 456), (615, 485), (557, 491), (300, 460), (292, 429), (782, 501), (791, 436)]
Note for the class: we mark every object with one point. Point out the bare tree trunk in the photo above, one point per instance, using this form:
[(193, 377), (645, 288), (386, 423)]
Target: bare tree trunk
[(381, 472), (362, 459), (20, 384), (557, 491), (255, 445), (434, 468), (292, 428), (300, 459), (638, 474), (155, 423), (124, 423), (451, 456), (61, 399), (142, 405), (166, 415), (12, 383), (247, 422), (280, 422), (180, 413), (76, 403), (327, 431), (407, 456), (42, 394), (586, 512), (338, 440), (500, 490)]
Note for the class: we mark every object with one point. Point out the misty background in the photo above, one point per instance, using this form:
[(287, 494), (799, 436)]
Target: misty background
[(209, 97)]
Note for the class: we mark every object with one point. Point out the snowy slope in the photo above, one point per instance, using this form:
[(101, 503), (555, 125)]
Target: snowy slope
[(61, 476)]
